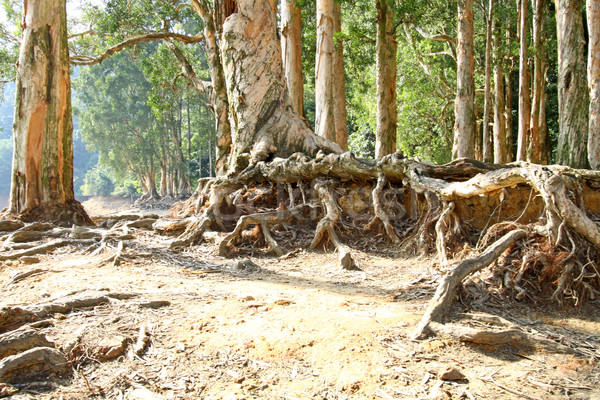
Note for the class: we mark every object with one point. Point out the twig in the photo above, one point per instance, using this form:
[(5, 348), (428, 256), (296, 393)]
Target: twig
[(507, 389)]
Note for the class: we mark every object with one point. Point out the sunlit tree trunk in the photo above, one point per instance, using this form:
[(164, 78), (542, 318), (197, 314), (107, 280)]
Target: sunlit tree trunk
[(535, 142), (524, 85), (593, 20), (572, 89), (464, 126), (487, 142), (330, 97), (386, 49), (499, 103), (42, 172), (291, 48)]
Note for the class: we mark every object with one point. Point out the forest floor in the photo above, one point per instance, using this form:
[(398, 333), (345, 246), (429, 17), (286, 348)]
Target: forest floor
[(296, 327)]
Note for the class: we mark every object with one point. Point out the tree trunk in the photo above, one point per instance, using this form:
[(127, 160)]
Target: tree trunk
[(163, 179), (508, 89), (500, 153), (42, 172), (291, 48), (535, 149), (572, 93), (330, 118), (263, 122), (339, 84), (524, 85), (386, 49), (593, 20), (464, 126), (487, 143)]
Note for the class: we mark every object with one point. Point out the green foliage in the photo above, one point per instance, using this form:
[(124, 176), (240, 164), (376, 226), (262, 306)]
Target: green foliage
[(97, 182), (128, 187)]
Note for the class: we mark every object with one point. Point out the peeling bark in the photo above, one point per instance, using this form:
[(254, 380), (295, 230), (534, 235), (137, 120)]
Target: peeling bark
[(291, 46), (42, 174), (593, 20), (524, 85)]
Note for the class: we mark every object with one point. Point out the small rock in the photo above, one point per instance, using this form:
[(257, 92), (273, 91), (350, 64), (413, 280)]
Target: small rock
[(7, 390), (29, 260), (450, 374), (111, 348)]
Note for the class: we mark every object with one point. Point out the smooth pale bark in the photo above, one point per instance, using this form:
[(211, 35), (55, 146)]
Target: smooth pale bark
[(487, 140), (524, 86), (499, 103), (330, 97), (386, 49), (42, 171), (464, 125), (593, 20), (535, 140), (263, 122), (572, 89), (291, 49)]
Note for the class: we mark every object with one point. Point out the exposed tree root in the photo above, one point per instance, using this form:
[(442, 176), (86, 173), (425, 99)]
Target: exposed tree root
[(380, 214), (45, 248), (36, 360), (447, 287), (19, 340)]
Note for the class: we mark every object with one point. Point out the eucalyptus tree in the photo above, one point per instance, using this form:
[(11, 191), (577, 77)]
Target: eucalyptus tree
[(593, 21)]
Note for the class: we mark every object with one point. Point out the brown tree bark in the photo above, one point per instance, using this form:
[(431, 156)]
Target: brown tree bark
[(487, 140), (593, 20), (464, 126), (263, 122), (330, 97), (42, 173), (291, 48), (524, 85), (386, 49), (535, 141), (500, 145), (572, 94)]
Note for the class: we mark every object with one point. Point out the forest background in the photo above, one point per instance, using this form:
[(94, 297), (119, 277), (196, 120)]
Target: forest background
[(135, 111)]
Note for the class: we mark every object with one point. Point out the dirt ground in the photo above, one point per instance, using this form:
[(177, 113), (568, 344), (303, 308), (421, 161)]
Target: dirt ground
[(287, 328)]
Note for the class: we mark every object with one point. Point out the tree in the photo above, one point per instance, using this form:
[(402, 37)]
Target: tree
[(487, 142), (572, 93), (291, 47), (330, 97), (524, 85), (593, 20), (500, 143), (386, 49), (42, 175), (464, 127)]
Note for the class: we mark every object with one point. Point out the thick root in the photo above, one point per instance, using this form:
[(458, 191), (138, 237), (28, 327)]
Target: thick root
[(39, 359)]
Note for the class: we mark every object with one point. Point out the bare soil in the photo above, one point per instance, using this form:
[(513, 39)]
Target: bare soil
[(296, 327)]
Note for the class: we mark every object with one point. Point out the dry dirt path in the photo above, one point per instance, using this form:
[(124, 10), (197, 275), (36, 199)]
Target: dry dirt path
[(294, 328)]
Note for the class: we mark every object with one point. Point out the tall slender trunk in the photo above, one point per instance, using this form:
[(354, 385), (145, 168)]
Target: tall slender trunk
[(330, 96), (339, 84), (487, 142), (508, 89), (163, 179), (386, 49), (291, 49), (573, 97), (499, 103), (593, 20), (219, 99), (524, 85), (42, 170), (464, 126), (189, 130), (535, 149), (210, 159)]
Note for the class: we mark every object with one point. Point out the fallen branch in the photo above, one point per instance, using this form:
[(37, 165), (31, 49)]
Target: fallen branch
[(142, 340), (23, 275)]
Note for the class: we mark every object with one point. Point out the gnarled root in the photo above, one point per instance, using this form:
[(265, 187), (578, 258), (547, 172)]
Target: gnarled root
[(380, 214), (447, 287), (264, 220), (326, 227)]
